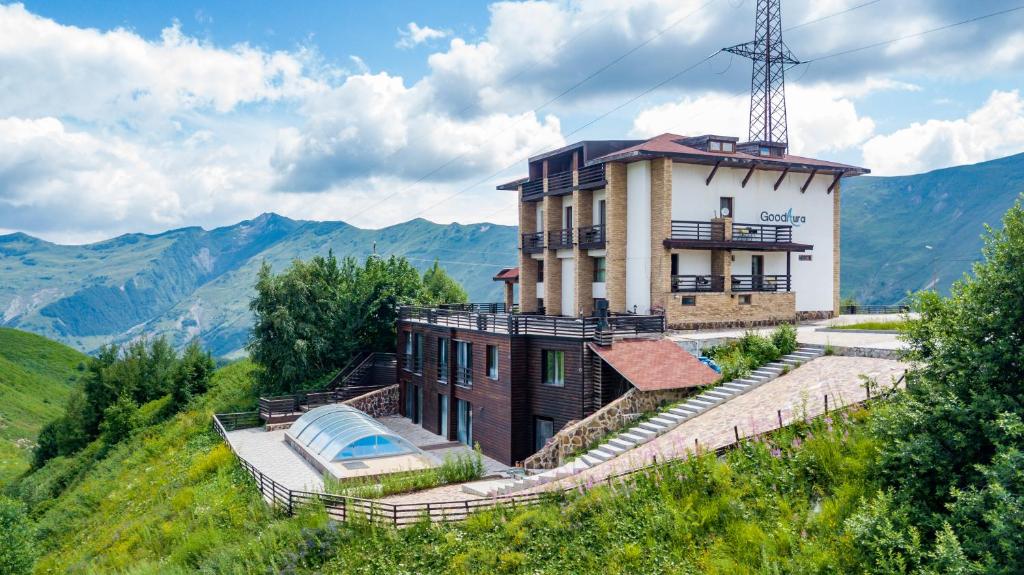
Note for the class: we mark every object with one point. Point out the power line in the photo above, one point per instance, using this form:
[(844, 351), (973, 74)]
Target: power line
[(914, 35), (550, 101), (816, 20)]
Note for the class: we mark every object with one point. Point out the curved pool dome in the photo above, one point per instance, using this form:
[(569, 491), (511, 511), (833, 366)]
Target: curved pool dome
[(339, 432)]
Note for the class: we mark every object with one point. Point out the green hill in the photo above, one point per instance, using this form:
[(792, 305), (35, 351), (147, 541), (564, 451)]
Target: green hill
[(36, 377)]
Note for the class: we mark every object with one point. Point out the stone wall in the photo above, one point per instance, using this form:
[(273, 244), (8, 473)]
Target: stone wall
[(615, 236), (874, 352), (765, 308), (380, 403), (616, 415)]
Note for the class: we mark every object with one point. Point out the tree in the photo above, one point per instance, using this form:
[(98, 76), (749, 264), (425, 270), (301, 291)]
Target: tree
[(192, 375), (440, 288), (119, 420), (17, 550), (950, 444)]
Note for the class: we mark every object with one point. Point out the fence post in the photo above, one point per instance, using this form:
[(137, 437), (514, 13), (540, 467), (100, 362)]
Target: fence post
[(736, 430), (291, 508), (826, 403), (394, 515), (780, 418)]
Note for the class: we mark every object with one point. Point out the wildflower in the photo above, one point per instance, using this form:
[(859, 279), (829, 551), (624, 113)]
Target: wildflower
[(797, 442), (776, 452)]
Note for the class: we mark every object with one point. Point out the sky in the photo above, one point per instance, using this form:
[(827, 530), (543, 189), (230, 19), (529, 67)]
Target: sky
[(121, 117)]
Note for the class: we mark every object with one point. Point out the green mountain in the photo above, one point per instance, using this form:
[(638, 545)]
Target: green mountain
[(888, 221), (193, 282), (36, 376)]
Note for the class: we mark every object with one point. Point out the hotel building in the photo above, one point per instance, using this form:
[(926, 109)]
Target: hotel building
[(624, 239)]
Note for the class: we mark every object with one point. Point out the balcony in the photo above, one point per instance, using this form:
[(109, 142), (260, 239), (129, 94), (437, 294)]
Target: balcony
[(464, 376), (533, 190), (560, 184), (533, 324), (412, 362), (592, 177), (761, 283), (712, 235), (592, 237), (533, 243), (560, 239), (698, 283)]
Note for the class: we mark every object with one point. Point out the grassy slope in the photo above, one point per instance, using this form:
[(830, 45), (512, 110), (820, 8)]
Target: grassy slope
[(172, 500), (36, 376)]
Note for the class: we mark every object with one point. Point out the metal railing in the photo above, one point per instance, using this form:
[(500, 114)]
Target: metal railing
[(533, 243), (592, 237), (485, 307), (698, 283), (560, 238), (412, 362), (533, 190), (874, 309), (760, 283), (464, 376), (532, 324), (559, 183), (761, 233), (699, 231), (591, 177)]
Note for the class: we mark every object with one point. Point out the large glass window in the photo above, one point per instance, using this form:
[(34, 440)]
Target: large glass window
[(464, 421), (492, 361), (554, 367), (543, 430), (463, 363), (442, 360), (442, 415), (599, 269), (407, 362)]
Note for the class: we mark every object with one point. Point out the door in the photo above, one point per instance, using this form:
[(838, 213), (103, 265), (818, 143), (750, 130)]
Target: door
[(464, 421), (419, 405), (543, 430), (442, 415), (568, 218), (757, 270), (412, 403)]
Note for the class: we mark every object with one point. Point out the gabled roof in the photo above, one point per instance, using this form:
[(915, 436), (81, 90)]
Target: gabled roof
[(670, 145), (655, 364), (507, 274)]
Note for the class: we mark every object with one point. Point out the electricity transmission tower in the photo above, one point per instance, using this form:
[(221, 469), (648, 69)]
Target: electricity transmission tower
[(770, 56)]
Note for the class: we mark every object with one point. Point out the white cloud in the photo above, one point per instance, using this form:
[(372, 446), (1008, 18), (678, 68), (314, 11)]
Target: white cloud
[(995, 129), (827, 120), (414, 35)]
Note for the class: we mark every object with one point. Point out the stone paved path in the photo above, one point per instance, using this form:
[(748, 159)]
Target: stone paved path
[(801, 390), (272, 456)]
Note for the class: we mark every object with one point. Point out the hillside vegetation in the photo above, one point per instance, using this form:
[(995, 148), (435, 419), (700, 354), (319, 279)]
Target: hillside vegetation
[(36, 378)]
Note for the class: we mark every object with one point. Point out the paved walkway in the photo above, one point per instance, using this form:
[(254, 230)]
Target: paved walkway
[(800, 391), (435, 445), (272, 456)]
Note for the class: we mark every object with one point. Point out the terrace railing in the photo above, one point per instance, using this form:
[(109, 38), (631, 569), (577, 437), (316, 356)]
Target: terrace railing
[(760, 283), (533, 243), (559, 239), (698, 283), (488, 307), (591, 177), (533, 190), (698, 231), (592, 237), (874, 309), (761, 233), (560, 183)]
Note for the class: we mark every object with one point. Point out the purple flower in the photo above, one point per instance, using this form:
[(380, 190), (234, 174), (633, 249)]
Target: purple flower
[(776, 452)]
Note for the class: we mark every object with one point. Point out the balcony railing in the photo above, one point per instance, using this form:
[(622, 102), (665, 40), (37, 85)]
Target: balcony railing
[(558, 239), (487, 307), (591, 177), (762, 233), (413, 362), (698, 283), (533, 243), (464, 376), (560, 183), (762, 283), (592, 237), (533, 324), (698, 231), (442, 373), (533, 190)]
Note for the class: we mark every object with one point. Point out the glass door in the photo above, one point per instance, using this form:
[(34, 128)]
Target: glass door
[(464, 421), (757, 270), (442, 415)]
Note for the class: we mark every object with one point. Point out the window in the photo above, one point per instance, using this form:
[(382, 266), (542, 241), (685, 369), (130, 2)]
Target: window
[(554, 367), (688, 300), (464, 421), (543, 431), (442, 360), (408, 363), (716, 146), (599, 304), (599, 269), (417, 340), (725, 207), (601, 212), (492, 361), (675, 264), (442, 415), (727, 147), (463, 363), (745, 299), (540, 272)]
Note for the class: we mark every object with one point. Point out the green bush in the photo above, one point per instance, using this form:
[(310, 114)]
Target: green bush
[(17, 549), (462, 467), (784, 338)]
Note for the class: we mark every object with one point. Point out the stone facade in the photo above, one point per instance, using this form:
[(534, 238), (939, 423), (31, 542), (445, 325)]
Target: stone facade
[(527, 265), (552, 265), (380, 403), (661, 228), (616, 415), (873, 352), (615, 214), (583, 216), (725, 310)]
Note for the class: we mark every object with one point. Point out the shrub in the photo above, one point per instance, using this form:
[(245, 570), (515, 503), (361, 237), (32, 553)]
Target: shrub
[(760, 349), (17, 552), (462, 467), (784, 338)]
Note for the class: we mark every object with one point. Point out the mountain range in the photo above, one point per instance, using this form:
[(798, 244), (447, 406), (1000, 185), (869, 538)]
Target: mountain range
[(190, 281)]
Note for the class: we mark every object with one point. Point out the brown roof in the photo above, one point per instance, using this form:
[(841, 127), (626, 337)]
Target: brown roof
[(654, 364), (670, 145), (507, 274)]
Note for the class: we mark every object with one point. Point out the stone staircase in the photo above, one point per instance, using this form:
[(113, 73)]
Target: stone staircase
[(648, 430)]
